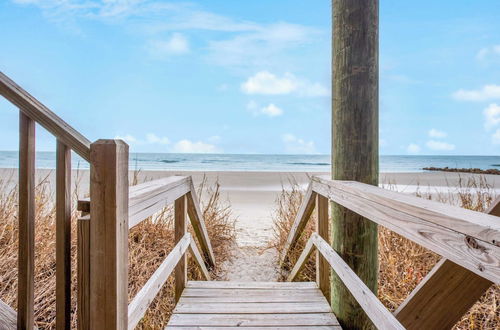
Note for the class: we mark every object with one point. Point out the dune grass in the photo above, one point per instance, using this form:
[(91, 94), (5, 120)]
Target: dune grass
[(402, 263), (149, 243)]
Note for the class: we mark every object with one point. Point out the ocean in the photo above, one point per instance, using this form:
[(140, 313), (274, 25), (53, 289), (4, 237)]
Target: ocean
[(243, 162)]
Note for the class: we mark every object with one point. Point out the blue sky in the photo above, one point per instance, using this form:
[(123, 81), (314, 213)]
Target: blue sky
[(250, 76)]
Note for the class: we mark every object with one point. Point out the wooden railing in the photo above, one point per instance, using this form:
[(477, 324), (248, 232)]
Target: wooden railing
[(144, 201), (469, 242), (31, 112), (102, 261)]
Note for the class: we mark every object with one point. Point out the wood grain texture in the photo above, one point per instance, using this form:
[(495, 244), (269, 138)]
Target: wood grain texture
[(253, 320), (43, 116), (26, 256), (374, 309), (420, 221), (109, 234), (300, 222), (445, 294), (8, 317), (180, 230), (259, 305), (83, 271), (323, 230), (63, 236), (355, 136), (146, 295), (147, 198), (198, 224)]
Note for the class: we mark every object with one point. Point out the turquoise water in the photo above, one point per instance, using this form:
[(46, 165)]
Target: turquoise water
[(228, 162)]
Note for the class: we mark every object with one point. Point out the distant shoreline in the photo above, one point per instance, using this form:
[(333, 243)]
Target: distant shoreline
[(492, 171)]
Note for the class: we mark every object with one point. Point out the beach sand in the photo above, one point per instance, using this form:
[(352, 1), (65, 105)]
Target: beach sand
[(252, 196)]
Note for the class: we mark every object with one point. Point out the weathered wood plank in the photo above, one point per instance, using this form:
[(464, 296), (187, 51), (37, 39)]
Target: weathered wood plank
[(63, 236), (253, 320), (255, 299), (26, 257), (420, 223), (198, 224), (145, 296), (43, 116), (8, 317), (109, 234), (305, 211), (250, 285), (147, 198), (323, 230), (180, 229), (444, 295), (301, 262), (374, 309), (252, 308), (199, 260), (83, 272), (196, 292), (259, 328)]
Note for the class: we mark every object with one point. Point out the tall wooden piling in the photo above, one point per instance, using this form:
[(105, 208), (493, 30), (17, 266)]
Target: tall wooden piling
[(354, 144)]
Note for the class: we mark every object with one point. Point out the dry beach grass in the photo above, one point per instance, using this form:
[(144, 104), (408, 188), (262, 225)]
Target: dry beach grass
[(149, 244), (403, 264)]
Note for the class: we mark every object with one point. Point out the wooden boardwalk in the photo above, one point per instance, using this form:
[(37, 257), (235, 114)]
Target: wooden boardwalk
[(277, 305)]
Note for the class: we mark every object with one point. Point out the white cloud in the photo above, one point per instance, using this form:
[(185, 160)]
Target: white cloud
[(267, 83), (496, 137), (434, 133), (154, 139), (440, 145), (176, 45), (271, 110), (296, 145), (488, 92), (264, 82), (487, 52), (130, 139), (413, 148), (187, 146), (491, 116)]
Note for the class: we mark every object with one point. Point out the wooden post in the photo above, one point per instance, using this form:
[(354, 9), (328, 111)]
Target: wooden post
[(26, 258), (180, 231), (354, 144), (83, 272), (108, 234), (322, 266), (63, 236)]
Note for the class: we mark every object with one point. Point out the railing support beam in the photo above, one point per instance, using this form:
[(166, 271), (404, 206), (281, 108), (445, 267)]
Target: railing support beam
[(322, 228), (26, 259), (109, 234), (180, 230), (63, 236), (444, 295)]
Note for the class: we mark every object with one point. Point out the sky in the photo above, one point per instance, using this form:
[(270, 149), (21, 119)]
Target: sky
[(224, 76)]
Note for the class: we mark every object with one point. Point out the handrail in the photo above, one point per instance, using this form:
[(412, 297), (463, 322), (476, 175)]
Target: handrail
[(35, 110), (137, 308), (147, 198), (374, 309), (468, 238)]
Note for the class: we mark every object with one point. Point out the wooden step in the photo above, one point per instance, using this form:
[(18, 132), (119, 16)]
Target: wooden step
[(252, 305)]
